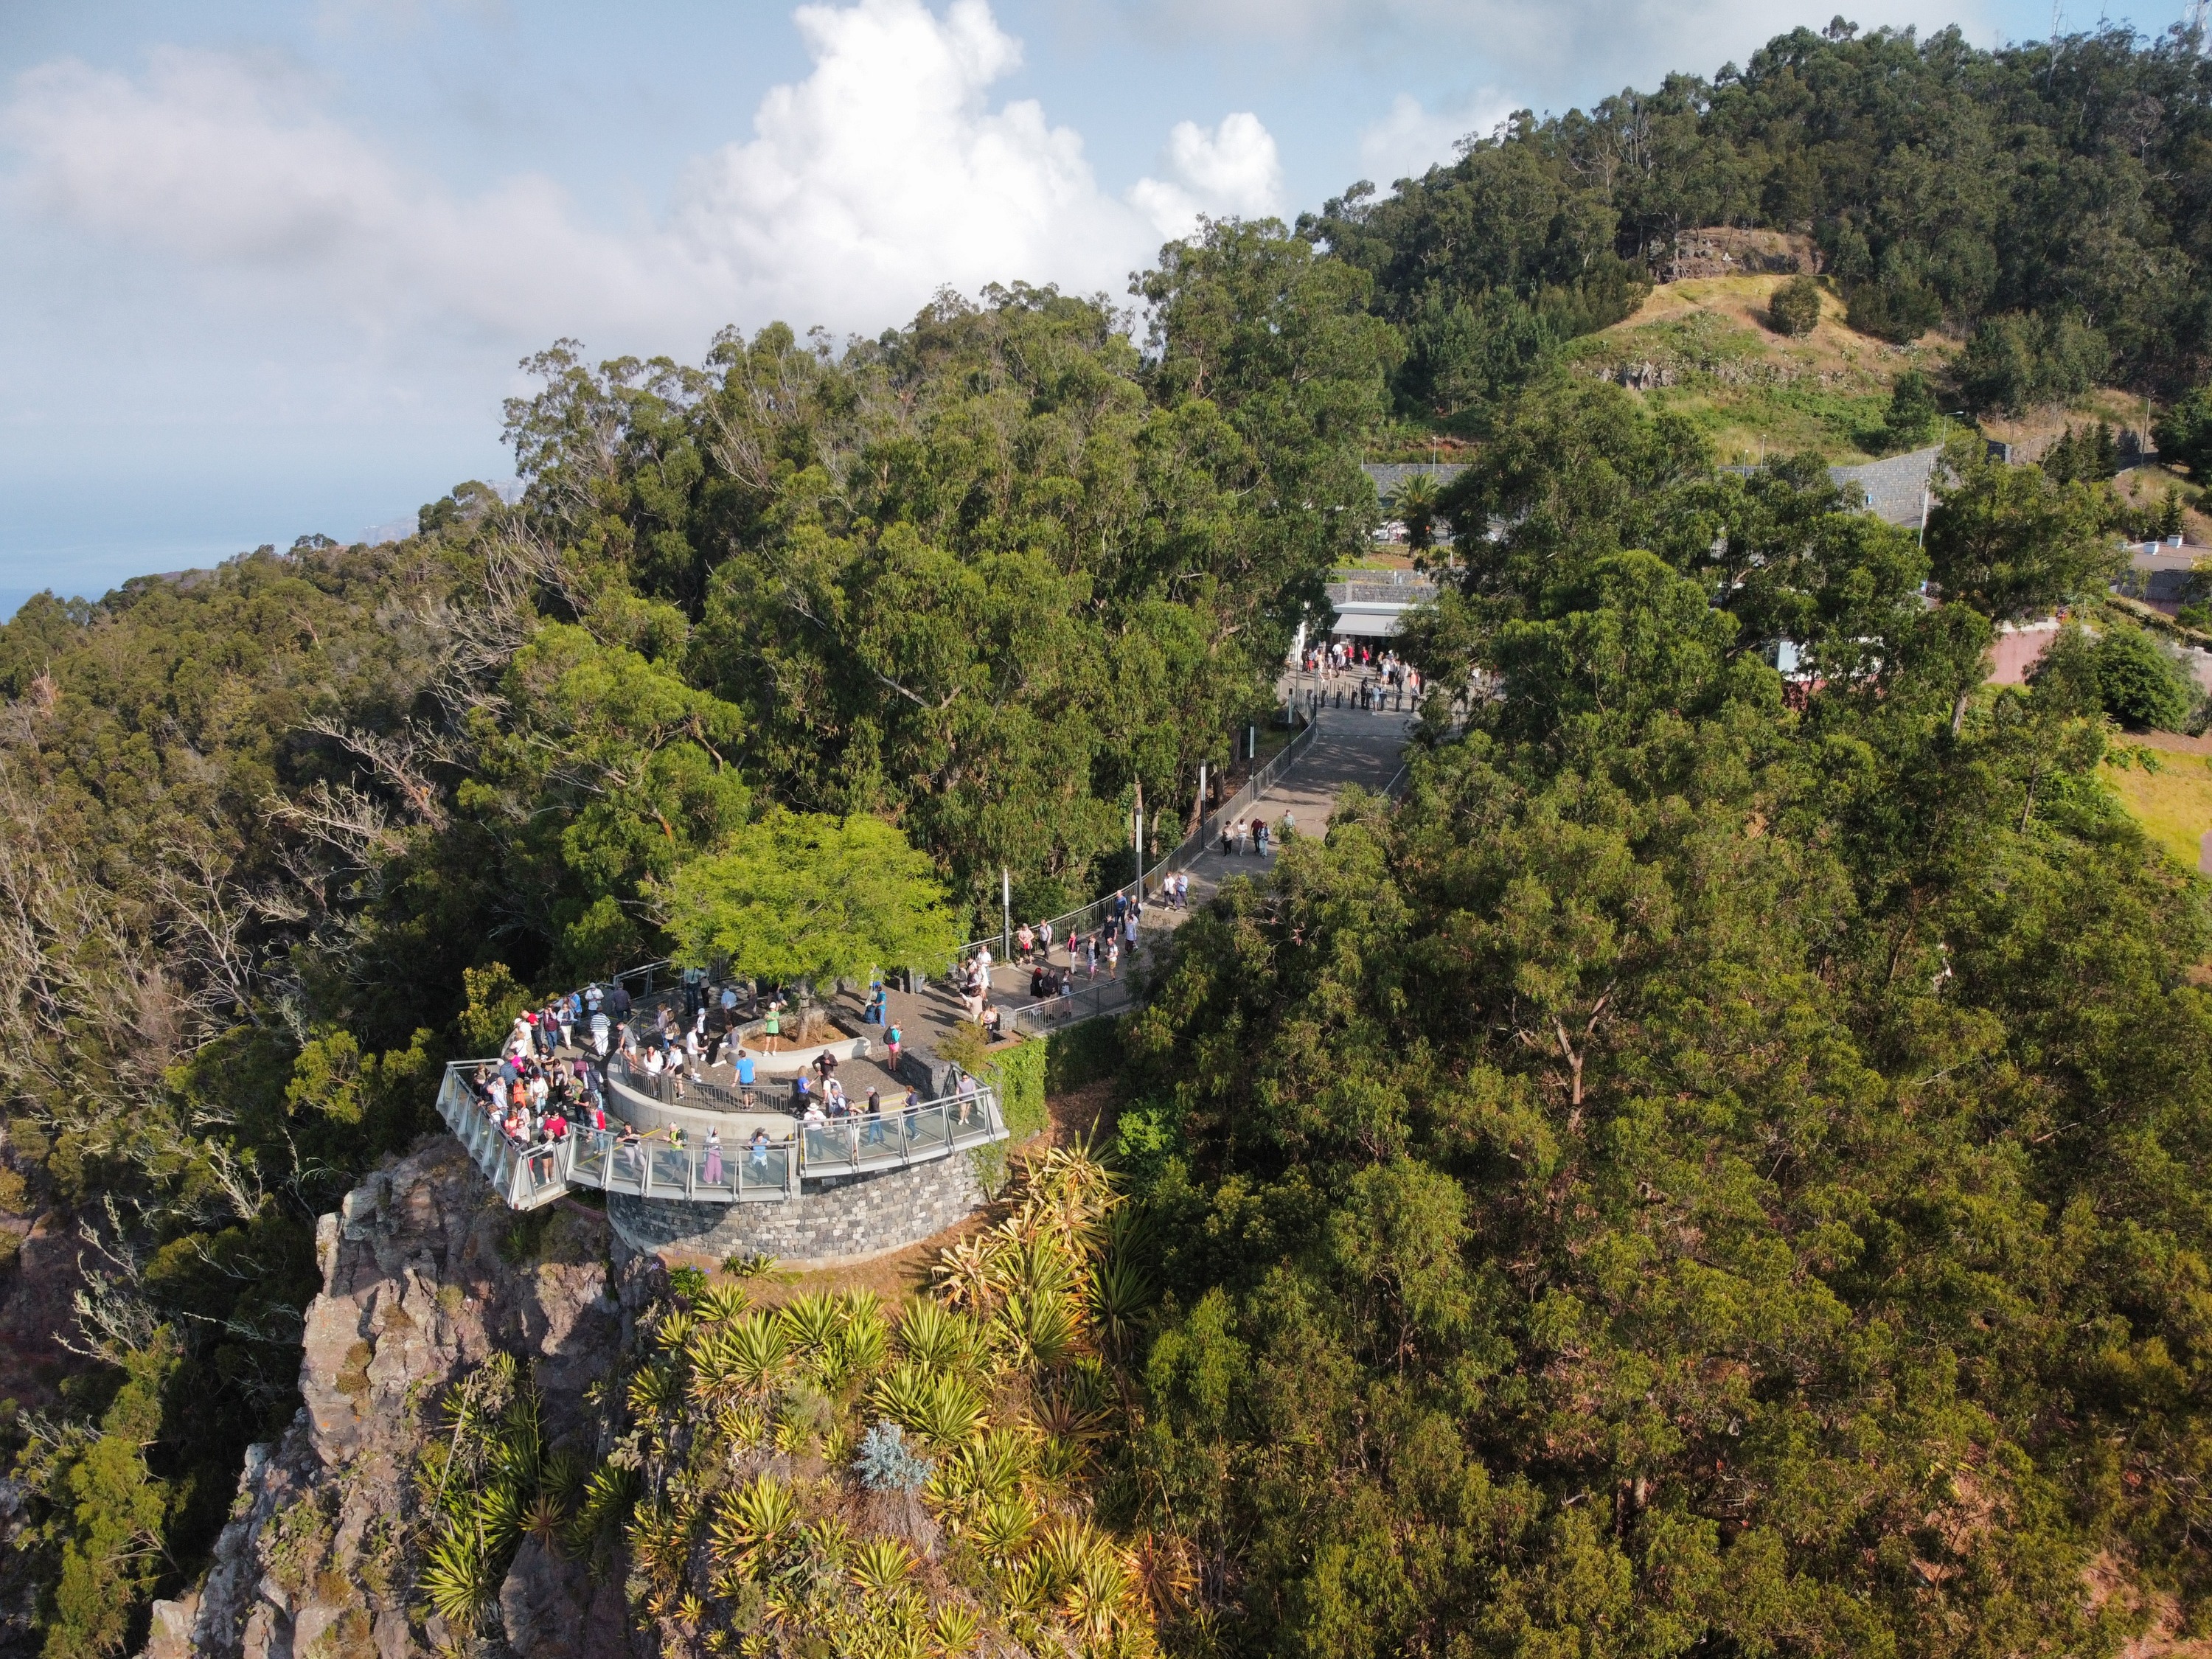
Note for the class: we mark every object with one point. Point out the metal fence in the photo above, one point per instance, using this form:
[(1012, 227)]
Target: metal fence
[(527, 1177), (1096, 913)]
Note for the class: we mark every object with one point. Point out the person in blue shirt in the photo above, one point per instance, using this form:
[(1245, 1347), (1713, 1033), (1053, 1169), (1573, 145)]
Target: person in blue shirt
[(745, 1077)]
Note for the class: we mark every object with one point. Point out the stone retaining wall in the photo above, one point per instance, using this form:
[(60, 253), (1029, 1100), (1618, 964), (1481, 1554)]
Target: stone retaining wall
[(837, 1219)]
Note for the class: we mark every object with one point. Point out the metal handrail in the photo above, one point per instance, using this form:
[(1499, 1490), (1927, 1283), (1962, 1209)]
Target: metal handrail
[(1185, 852), (527, 1176)]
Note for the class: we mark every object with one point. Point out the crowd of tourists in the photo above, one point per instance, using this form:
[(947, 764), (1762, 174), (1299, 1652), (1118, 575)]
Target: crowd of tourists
[(1360, 677)]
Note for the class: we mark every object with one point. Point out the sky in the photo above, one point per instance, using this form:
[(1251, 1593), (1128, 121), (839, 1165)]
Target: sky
[(269, 270)]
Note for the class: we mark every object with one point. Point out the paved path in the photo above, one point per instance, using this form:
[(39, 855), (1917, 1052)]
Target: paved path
[(1352, 747)]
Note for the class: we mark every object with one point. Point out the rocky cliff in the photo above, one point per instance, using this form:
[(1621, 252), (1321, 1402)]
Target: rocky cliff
[(425, 1276)]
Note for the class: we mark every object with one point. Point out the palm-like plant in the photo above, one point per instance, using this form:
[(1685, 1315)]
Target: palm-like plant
[(881, 1567), (955, 1628), (461, 1573), (720, 1304), (752, 1521), (935, 1336), (1414, 503), (813, 1321), (1120, 1292), (672, 1329), (542, 1518)]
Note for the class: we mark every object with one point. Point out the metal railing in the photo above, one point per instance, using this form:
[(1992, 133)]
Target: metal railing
[(1085, 1002), (527, 1177), (1186, 852)]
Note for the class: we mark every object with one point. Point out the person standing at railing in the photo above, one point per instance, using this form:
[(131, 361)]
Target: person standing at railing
[(760, 1149), (875, 1115), (744, 1071), (714, 1158), (966, 1095), (1044, 931)]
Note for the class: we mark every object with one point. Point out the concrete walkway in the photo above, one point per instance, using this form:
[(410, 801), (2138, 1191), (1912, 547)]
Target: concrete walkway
[(1351, 747)]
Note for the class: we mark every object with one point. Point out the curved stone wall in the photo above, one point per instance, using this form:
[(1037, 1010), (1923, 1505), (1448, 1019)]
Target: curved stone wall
[(840, 1219)]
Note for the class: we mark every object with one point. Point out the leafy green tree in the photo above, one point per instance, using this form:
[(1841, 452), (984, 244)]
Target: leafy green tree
[(808, 896), (2184, 433), (2011, 542), (1910, 420), (2141, 685), (1795, 307)]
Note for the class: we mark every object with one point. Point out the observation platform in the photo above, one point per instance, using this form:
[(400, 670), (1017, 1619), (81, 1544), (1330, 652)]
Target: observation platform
[(525, 1177)]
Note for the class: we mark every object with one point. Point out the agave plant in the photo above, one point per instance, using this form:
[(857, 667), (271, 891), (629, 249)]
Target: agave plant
[(671, 1330), (1075, 1403), (461, 1573), (656, 1392), (752, 1521), (813, 1321), (955, 1628), (935, 1336), (720, 1303), (881, 1567)]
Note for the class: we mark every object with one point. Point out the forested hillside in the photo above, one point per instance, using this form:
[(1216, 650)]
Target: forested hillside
[(1720, 1169), (2050, 203)]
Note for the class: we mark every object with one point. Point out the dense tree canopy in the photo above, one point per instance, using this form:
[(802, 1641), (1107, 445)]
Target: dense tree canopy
[(2052, 198), (1702, 1175)]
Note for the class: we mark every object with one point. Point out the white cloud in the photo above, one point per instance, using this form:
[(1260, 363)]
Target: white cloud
[(225, 163), (884, 174), (1233, 169), (1410, 139), (1562, 45)]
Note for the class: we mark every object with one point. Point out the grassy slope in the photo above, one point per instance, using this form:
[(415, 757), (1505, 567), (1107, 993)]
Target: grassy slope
[(1752, 390), (2173, 803)]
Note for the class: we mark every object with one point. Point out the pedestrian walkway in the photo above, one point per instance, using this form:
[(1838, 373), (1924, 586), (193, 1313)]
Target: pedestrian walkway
[(1352, 746)]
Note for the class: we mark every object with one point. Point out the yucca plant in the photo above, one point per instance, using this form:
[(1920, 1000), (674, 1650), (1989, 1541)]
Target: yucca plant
[(659, 1542), (656, 1390), (564, 1475), (752, 1521), (813, 1321), (933, 1336), (963, 1273), (1003, 1527), (672, 1329), (1036, 1330), (881, 1567), (1119, 1292), (760, 1347), (955, 1628), (942, 1408), (720, 1303), (609, 1493), (1076, 1403), (461, 1573), (825, 1544)]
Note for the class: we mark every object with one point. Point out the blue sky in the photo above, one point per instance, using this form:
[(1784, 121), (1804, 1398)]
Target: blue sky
[(267, 268)]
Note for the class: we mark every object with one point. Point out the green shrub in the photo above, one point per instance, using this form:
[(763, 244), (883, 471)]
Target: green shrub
[(2141, 684), (1795, 307), (2184, 433), (1018, 1072), (1082, 1054)]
